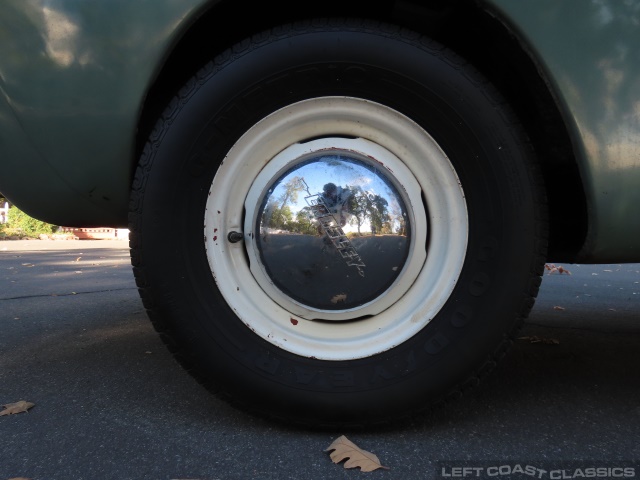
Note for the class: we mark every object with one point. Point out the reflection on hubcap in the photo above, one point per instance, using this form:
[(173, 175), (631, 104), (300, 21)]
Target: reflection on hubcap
[(333, 231)]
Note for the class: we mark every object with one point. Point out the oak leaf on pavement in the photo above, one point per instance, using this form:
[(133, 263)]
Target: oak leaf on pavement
[(18, 407), (345, 449)]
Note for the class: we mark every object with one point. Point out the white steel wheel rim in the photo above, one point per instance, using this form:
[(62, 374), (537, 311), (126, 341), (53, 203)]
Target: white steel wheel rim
[(422, 174)]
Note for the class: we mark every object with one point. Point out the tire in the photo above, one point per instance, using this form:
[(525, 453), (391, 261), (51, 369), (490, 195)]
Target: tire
[(291, 314)]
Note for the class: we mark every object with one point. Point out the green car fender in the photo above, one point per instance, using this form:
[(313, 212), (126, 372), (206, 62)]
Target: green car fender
[(73, 79), (590, 54)]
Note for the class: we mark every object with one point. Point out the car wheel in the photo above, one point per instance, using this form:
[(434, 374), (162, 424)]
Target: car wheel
[(337, 223)]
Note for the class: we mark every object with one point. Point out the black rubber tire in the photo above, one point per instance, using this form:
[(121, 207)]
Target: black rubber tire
[(391, 66)]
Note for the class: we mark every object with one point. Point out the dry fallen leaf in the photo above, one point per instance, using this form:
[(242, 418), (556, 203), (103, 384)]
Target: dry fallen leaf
[(536, 339), (341, 297), (553, 269), (18, 407), (344, 449)]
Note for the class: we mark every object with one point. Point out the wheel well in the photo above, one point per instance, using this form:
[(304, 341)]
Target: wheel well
[(465, 27)]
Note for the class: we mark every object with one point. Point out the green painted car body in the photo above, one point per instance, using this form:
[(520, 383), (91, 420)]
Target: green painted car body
[(73, 80), (80, 83)]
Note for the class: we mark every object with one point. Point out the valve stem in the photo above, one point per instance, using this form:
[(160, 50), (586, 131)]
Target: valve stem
[(235, 237)]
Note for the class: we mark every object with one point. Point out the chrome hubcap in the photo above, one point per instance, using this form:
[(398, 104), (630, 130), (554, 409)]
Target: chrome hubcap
[(333, 232)]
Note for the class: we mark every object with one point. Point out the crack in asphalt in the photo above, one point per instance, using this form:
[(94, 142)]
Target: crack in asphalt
[(68, 294)]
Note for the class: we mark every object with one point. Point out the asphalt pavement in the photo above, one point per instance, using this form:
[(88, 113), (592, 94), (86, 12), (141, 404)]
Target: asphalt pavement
[(111, 403)]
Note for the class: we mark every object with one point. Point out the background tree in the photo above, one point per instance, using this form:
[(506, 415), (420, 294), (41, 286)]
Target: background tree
[(370, 209), (23, 224), (378, 213), (277, 215), (305, 222)]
